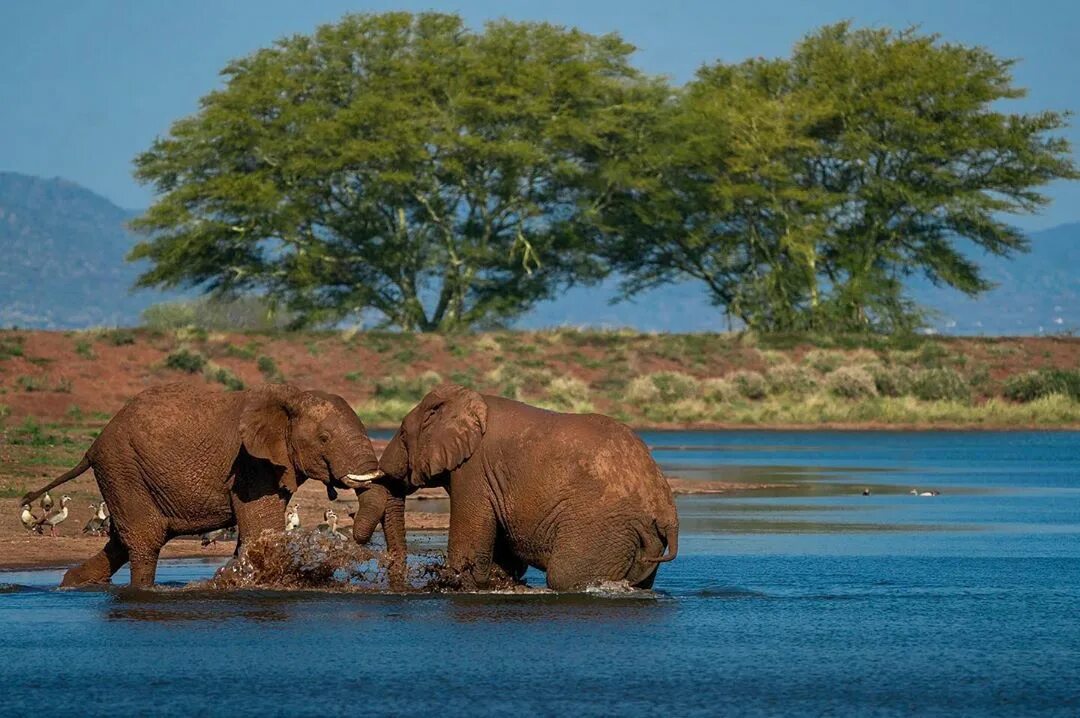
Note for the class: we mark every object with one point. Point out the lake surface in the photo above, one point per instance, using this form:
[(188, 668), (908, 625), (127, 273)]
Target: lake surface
[(808, 598)]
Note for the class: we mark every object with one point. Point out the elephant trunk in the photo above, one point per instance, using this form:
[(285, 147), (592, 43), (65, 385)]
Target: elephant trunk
[(371, 507)]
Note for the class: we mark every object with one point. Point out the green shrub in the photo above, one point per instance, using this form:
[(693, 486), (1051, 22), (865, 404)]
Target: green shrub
[(940, 384), (891, 380), (223, 376), (851, 382), (406, 389), (569, 394), (515, 381), (269, 369), (75, 413), (1044, 382), (84, 349), (823, 360), (749, 383), (30, 383), (184, 359), (118, 337), (641, 390), (791, 379), (932, 354), (665, 386), (719, 391), (353, 376), (11, 346)]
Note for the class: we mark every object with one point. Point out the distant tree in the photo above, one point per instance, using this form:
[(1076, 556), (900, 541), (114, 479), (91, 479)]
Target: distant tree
[(804, 191), (400, 163)]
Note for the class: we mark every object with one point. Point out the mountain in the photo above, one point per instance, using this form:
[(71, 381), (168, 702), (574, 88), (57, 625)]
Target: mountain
[(62, 248), (62, 265)]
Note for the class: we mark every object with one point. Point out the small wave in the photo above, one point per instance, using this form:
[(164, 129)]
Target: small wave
[(728, 592)]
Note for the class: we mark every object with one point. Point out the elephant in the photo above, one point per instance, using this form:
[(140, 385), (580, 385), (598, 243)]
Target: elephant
[(181, 460), (576, 495)]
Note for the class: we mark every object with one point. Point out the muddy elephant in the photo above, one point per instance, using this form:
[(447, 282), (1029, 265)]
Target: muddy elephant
[(178, 460), (576, 495)]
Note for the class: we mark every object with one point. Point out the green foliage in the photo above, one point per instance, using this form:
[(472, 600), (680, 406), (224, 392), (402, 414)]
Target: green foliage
[(118, 337), (940, 385), (568, 394), (269, 369), (218, 313), (719, 391), (891, 380), (851, 382), (30, 383), (11, 345), (406, 389), (84, 349), (516, 382), (800, 191), (790, 379), (823, 360), (749, 383), (1034, 385), (184, 359), (344, 171), (661, 386), (224, 376)]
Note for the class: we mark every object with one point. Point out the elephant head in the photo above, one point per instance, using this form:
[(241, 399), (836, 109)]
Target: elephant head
[(307, 435), (435, 438)]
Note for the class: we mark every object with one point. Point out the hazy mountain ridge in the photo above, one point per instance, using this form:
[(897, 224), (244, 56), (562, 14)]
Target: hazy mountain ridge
[(63, 249)]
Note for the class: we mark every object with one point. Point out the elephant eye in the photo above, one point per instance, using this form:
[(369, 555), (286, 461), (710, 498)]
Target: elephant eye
[(324, 436)]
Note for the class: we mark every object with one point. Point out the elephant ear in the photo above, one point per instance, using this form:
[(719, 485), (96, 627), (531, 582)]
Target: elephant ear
[(264, 429), (453, 419)]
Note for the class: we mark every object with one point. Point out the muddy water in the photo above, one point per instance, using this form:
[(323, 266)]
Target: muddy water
[(806, 599)]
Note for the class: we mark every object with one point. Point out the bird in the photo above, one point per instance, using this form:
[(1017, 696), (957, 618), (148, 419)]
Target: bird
[(914, 492), (292, 518), (46, 502), (97, 522), (866, 492), (29, 520), (57, 517), (929, 493), (330, 522)]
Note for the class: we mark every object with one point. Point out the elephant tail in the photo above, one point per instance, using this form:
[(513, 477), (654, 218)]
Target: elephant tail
[(670, 532), (81, 467)]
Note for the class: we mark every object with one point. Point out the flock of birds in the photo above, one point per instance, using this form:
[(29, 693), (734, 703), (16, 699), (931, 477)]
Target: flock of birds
[(98, 524), (329, 526), (913, 492)]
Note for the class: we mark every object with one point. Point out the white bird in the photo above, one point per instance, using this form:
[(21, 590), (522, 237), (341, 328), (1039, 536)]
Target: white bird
[(212, 537), (58, 517), (29, 520), (330, 525), (929, 493), (46, 502), (292, 518)]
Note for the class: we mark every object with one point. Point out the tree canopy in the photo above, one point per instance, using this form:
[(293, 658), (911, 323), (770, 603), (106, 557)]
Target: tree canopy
[(804, 191), (448, 178), (402, 163)]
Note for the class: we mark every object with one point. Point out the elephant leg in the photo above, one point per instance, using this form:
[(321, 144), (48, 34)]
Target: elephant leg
[(258, 514), (506, 567), (144, 565), (589, 555), (472, 538), (100, 567)]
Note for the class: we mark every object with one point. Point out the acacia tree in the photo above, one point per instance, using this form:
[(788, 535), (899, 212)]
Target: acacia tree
[(401, 163), (866, 157)]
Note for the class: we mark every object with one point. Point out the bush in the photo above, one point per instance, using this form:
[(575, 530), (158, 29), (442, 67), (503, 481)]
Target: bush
[(940, 385), (514, 381), (719, 391), (569, 394), (409, 390), (891, 380), (269, 369), (851, 382), (30, 383), (932, 354), (119, 337), (749, 383), (665, 386), (791, 379), (823, 360), (184, 359), (223, 376), (641, 390), (83, 349), (249, 313), (1037, 384)]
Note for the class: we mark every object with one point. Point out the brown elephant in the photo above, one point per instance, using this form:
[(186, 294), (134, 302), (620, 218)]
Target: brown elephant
[(178, 460), (576, 495)]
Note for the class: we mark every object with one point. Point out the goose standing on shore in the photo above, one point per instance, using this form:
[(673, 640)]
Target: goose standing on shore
[(96, 524), (46, 502), (29, 519), (292, 518), (330, 522), (57, 517)]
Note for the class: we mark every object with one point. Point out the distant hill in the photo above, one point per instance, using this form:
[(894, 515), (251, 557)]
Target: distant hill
[(62, 265), (62, 249)]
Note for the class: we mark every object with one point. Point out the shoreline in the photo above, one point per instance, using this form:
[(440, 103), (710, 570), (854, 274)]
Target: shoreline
[(855, 427)]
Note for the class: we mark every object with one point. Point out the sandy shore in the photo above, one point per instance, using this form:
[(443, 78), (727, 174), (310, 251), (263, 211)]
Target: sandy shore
[(20, 549)]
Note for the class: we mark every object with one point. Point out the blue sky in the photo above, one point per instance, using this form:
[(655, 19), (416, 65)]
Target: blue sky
[(87, 85)]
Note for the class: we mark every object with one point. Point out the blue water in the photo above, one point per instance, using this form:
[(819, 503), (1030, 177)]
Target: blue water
[(804, 599)]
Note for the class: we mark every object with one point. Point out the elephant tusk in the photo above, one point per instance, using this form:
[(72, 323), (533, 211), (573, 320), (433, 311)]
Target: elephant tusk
[(355, 480)]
